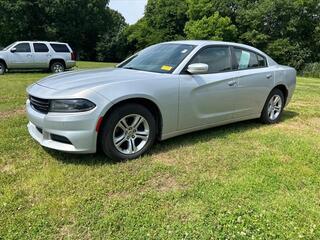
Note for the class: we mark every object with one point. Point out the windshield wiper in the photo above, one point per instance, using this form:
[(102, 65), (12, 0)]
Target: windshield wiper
[(132, 68)]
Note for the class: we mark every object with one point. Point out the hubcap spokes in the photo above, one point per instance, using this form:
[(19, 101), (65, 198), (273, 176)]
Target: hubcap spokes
[(57, 68), (131, 134), (274, 107)]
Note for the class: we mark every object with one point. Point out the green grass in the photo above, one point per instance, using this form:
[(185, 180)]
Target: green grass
[(241, 181)]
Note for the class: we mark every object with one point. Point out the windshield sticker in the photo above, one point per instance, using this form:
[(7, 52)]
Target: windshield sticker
[(166, 68), (184, 51)]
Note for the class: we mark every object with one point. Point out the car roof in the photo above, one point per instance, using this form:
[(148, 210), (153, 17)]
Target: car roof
[(35, 41)]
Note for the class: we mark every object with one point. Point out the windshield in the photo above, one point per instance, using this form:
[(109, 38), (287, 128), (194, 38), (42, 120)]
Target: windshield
[(161, 58), (6, 48)]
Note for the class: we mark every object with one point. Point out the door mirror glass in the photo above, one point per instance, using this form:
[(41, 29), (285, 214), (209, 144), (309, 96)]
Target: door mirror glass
[(13, 50), (198, 68)]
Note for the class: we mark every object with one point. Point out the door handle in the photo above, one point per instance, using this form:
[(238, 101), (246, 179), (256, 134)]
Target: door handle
[(269, 76), (232, 83)]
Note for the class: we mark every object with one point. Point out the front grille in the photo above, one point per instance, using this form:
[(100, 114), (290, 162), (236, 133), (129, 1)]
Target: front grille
[(39, 104)]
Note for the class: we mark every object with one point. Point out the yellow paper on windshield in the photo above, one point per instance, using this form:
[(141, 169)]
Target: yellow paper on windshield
[(166, 68)]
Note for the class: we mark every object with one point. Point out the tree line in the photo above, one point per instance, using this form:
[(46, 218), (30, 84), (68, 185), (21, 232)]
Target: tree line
[(84, 24), (288, 30)]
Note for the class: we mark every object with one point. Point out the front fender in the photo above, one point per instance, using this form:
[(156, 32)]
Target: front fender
[(163, 93)]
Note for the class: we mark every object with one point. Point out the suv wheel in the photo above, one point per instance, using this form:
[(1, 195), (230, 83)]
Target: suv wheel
[(57, 67), (2, 68), (129, 132)]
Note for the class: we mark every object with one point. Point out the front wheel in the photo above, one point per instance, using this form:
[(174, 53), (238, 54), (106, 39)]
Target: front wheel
[(273, 107), (2, 68), (128, 132)]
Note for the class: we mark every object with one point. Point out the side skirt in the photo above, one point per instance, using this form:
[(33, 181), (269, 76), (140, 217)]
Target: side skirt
[(189, 130)]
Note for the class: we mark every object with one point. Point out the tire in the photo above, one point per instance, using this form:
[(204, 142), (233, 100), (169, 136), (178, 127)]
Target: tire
[(122, 139), (273, 108), (2, 68), (57, 67)]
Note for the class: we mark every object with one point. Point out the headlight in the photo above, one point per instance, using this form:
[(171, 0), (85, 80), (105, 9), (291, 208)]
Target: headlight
[(71, 105)]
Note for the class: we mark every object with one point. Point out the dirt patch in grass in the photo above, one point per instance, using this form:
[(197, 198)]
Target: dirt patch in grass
[(164, 158), (12, 113), (164, 183)]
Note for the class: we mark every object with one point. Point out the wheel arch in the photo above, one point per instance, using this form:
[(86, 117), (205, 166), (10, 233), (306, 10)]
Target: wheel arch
[(146, 102), (284, 90), (4, 62), (57, 60)]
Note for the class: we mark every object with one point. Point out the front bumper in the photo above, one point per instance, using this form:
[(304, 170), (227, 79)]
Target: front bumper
[(78, 128)]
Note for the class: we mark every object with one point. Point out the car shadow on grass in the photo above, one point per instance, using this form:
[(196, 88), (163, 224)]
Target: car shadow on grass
[(165, 146), (219, 132)]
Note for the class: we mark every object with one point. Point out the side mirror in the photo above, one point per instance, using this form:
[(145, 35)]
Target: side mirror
[(13, 50), (198, 68)]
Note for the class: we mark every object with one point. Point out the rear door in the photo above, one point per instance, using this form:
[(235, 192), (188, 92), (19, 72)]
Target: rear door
[(254, 82), (41, 55), (22, 57), (206, 99)]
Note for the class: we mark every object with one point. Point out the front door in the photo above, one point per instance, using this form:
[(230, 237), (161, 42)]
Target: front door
[(207, 99), (22, 57)]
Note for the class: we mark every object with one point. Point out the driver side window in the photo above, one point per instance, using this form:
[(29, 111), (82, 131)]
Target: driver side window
[(23, 47), (217, 58)]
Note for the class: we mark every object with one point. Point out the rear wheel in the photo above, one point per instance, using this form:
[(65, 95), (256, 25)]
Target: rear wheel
[(128, 132), (2, 68), (273, 107), (57, 67)]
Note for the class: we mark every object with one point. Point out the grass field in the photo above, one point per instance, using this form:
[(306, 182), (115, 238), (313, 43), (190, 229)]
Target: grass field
[(241, 181)]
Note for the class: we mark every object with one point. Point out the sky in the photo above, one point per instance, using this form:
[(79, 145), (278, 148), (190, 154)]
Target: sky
[(132, 10)]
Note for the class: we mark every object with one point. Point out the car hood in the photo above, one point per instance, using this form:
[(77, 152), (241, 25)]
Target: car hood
[(92, 78)]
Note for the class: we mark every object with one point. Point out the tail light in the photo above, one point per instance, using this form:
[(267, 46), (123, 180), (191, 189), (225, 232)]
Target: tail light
[(73, 56)]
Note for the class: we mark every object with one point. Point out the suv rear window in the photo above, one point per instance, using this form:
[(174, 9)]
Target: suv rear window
[(40, 47), (62, 48)]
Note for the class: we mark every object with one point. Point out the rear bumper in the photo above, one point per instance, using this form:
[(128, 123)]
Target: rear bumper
[(70, 64), (78, 128)]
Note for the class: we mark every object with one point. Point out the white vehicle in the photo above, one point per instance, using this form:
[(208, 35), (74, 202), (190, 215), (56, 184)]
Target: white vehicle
[(54, 56)]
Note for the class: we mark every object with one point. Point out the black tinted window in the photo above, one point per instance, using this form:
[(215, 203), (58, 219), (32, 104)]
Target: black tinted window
[(246, 59), (60, 48), (40, 47), (217, 58), (23, 47), (262, 61)]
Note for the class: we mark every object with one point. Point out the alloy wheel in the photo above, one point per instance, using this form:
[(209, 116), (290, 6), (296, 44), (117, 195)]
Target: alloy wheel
[(58, 68), (131, 134), (274, 107)]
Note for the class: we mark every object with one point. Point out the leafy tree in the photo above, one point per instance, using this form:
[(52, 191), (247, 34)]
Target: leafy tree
[(164, 20), (214, 27), (286, 29), (82, 23)]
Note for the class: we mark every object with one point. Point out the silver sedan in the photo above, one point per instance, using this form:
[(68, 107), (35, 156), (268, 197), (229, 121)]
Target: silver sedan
[(163, 91)]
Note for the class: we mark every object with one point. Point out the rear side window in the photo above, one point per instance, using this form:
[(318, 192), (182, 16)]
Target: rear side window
[(23, 47), (40, 47), (262, 61), (246, 59), (62, 48), (217, 58)]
